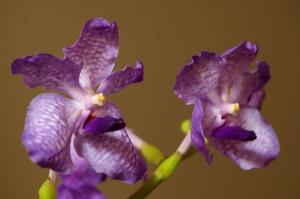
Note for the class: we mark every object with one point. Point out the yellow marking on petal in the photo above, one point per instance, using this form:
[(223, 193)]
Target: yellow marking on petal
[(98, 99), (206, 141), (236, 107)]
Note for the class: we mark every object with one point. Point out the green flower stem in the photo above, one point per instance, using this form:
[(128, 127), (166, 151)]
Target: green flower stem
[(47, 190), (163, 172), (152, 154)]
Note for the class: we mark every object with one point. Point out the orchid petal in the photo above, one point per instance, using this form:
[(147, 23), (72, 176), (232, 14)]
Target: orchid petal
[(197, 135), (121, 79), (112, 154), (48, 71), (252, 154), (49, 124), (83, 192), (198, 78), (237, 61), (96, 49)]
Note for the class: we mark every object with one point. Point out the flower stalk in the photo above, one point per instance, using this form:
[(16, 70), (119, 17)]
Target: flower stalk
[(165, 169)]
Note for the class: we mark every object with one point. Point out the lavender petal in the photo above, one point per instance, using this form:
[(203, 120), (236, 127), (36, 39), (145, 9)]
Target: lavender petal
[(237, 61), (48, 71), (48, 128), (83, 192), (121, 79), (112, 154), (199, 77), (96, 49), (253, 154), (197, 135), (253, 81)]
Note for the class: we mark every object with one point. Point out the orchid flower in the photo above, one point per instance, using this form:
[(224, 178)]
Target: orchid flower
[(227, 96), (85, 120)]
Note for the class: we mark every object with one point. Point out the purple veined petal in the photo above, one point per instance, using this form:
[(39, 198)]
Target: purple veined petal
[(253, 81), (234, 133), (197, 135), (112, 154), (198, 78), (237, 61), (252, 154), (50, 121), (256, 99), (120, 79), (82, 175), (242, 54), (48, 71), (96, 49), (83, 192)]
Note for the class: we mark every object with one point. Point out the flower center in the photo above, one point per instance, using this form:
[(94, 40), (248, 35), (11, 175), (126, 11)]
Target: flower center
[(229, 108), (98, 99)]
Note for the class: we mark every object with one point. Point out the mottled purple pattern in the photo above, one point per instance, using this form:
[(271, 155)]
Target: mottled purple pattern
[(104, 124), (234, 133), (253, 81), (252, 154), (229, 80), (81, 175), (83, 192), (108, 109), (48, 71), (198, 78), (96, 49), (112, 154), (256, 99), (47, 131), (120, 79), (197, 132)]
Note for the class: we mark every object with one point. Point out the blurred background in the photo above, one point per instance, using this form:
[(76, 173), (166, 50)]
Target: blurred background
[(163, 34)]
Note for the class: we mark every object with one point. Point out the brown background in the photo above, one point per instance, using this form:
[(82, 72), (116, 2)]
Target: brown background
[(164, 35)]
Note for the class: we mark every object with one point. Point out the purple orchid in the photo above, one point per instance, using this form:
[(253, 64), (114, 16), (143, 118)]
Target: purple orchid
[(227, 96), (86, 121)]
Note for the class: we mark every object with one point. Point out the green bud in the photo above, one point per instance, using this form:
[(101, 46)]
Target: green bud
[(47, 190), (152, 154), (185, 126), (168, 166)]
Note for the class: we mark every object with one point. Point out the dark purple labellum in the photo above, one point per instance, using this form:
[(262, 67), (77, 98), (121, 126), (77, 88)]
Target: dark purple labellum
[(104, 124), (234, 133)]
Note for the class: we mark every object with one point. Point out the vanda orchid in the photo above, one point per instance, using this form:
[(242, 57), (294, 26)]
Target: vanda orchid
[(82, 137), (86, 122), (227, 96)]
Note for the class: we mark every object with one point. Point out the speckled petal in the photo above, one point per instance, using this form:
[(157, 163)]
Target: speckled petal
[(112, 154), (50, 122), (48, 71), (237, 60), (96, 49), (257, 99), (252, 154), (198, 78), (253, 81), (197, 133), (120, 79), (81, 175), (83, 192)]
